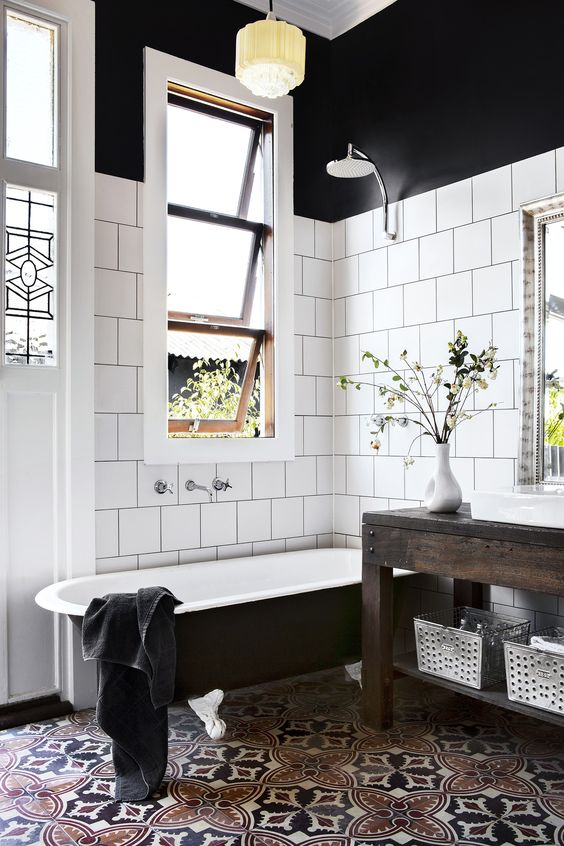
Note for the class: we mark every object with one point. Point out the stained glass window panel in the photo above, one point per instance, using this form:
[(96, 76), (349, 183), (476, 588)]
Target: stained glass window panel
[(30, 277), (31, 89), (207, 267)]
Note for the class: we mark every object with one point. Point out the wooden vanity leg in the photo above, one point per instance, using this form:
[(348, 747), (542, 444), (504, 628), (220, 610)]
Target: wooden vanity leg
[(467, 593), (377, 646)]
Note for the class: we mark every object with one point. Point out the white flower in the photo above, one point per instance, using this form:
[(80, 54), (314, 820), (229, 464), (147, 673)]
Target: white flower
[(451, 421), (482, 384), (375, 444), (417, 366), (408, 461), (403, 355), (493, 375), (391, 401), (467, 382), (454, 389)]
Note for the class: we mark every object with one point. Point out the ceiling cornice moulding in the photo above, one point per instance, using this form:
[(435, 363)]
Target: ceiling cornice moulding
[(328, 18)]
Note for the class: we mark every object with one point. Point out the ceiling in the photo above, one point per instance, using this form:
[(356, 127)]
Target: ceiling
[(328, 18)]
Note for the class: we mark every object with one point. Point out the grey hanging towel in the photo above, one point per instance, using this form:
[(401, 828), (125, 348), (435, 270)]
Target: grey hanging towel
[(132, 638)]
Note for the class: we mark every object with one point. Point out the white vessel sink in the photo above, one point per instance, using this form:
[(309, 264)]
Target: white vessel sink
[(531, 505)]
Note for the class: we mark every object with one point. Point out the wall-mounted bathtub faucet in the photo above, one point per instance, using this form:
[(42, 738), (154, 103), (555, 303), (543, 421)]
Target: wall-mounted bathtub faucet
[(379, 420), (219, 485), (162, 487), (192, 486)]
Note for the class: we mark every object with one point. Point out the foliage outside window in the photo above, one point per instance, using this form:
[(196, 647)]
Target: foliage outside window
[(219, 268)]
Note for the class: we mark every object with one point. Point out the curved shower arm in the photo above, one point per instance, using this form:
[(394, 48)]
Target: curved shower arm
[(355, 152)]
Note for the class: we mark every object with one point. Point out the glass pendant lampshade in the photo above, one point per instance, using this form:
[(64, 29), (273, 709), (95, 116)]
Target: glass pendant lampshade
[(270, 57)]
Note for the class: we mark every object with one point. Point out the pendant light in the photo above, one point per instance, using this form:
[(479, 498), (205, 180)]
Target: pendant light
[(270, 56)]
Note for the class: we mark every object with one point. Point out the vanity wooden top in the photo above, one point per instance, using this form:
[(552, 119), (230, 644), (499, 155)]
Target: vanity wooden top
[(461, 523)]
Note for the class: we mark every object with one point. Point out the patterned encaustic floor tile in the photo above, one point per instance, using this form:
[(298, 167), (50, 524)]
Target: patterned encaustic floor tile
[(297, 767)]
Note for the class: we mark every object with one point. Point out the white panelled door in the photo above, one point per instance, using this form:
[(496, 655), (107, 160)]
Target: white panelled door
[(46, 355)]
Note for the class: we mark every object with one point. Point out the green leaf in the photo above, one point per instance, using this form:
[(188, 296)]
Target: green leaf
[(396, 378)]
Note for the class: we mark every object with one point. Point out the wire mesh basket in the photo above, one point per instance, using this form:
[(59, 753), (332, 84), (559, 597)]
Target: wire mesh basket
[(536, 676), (466, 644)]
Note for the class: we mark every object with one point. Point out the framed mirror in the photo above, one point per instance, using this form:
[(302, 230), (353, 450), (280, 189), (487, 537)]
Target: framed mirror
[(541, 458)]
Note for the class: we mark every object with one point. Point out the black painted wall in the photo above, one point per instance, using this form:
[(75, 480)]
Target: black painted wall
[(434, 91), (204, 32)]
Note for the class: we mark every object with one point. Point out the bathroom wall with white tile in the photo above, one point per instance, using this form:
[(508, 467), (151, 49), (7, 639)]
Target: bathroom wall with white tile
[(271, 507), (455, 264)]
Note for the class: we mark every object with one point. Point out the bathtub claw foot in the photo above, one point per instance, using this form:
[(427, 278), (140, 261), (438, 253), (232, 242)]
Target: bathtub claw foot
[(355, 671), (207, 709)]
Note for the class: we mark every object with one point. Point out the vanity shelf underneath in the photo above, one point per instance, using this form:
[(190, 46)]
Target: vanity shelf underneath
[(497, 695)]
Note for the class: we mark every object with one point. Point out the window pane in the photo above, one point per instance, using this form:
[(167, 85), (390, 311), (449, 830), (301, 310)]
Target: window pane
[(31, 86), (29, 287), (206, 160), (206, 374), (207, 267)]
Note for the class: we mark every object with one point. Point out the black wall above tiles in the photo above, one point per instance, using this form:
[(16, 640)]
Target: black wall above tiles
[(203, 32), (434, 91)]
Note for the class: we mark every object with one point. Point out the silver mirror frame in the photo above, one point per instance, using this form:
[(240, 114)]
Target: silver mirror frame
[(534, 217)]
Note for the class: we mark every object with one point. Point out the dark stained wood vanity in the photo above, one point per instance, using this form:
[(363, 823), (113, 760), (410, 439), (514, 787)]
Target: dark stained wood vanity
[(473, 553)]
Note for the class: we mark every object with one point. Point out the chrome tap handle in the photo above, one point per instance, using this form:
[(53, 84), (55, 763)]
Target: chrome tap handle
[(219, 485), (162, 487)]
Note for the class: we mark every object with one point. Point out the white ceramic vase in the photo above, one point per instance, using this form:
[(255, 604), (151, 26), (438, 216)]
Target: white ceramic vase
[(443, 491)]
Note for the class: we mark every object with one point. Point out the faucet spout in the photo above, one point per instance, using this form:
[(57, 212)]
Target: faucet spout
[(192, 486)]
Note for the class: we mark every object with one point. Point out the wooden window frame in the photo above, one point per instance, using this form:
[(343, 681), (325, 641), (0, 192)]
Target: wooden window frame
[(235, 326)]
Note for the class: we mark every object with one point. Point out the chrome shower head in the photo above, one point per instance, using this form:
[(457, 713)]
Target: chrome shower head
[(358, 164)]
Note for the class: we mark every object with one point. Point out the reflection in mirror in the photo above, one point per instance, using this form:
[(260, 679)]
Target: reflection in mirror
[(542, 413), (554, 350)]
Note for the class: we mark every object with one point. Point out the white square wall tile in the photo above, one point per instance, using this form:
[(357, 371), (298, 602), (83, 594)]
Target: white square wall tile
[(360, 475), (116, 199), (477, 329), (297, 544), (506, 432), (105, 340), (494, 473), (389, 476), (454, 205), (323, 318), (339, 318), (347, 435), (324, 395), (406, 338), (373, 270), (270, 547), (377, 344), (318, 436), (158, 559), (304, 315), (492, 193), (454, 295), (507, 334), (362, 401), (148, 475), (493, 288), (472, 246), (269, 479), (115, 389), (193, 556), (403, 263), (219, 523), (318, 356), (287, 517), (435, 338), (419, 215), (235, 550), (347, 515), (131, 249), (305, 395), (106, 534), (317, 278), (419, 302), (139, 530), (106, 437), (181, 527), (388, 308), (130, 348), (130, 437), (115, 293), (106, 245), (304, 236), (358, 233), (318, 515), (116, 484), (239, 476), (323, 240), (505, 238), (436, 254), (359, 314), (116, 565), (301, 476), (534, 178), (298, 274), (338, 239), (254, 520), (417, 477), (325, 474), (298, 354), (347, 355), (345, 276), (474, 438)]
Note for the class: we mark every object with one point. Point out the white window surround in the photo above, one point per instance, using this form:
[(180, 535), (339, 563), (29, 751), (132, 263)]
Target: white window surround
[(160, 69), (68, 473)]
